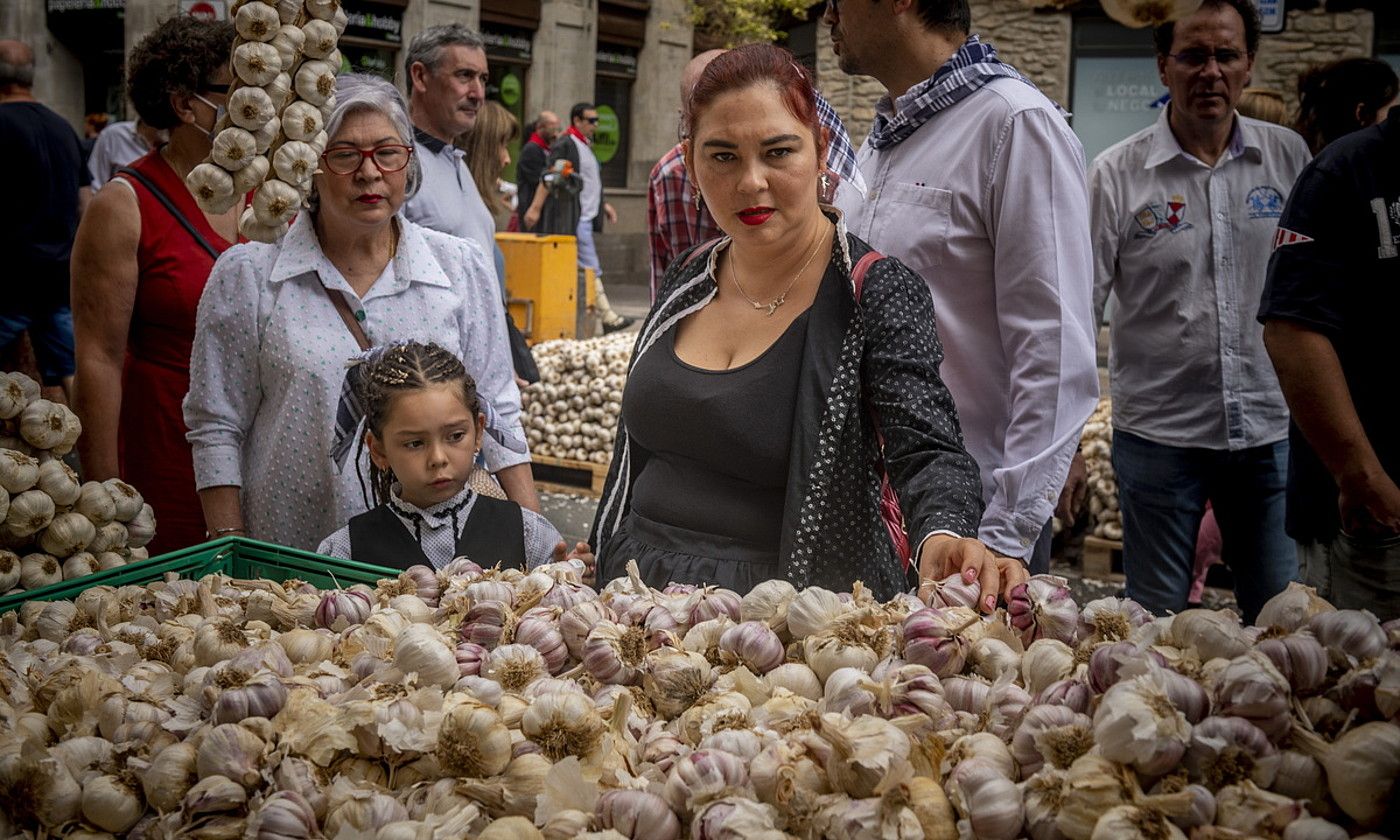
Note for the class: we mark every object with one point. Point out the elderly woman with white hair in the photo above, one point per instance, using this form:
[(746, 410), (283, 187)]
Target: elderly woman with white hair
[(277, 323)]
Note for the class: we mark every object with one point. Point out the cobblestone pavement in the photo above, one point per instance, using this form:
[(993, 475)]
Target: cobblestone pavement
[(573, 516)]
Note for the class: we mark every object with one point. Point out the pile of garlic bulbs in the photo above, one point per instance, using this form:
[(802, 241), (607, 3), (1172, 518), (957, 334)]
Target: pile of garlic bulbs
[(500, 704), (573, 409), (54, 527), (285, 59), (1105, 520)]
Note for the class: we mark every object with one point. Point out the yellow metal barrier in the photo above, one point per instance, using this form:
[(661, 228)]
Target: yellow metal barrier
[(546, 293)]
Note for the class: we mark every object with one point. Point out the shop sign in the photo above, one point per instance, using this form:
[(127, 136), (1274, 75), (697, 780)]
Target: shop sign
[(84, 5), (205, 9), (378, 23), (608, 135), (1273, 17), (610, 61), (507, 45)]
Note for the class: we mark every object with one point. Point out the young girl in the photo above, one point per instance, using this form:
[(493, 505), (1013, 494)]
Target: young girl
[(423, 427)]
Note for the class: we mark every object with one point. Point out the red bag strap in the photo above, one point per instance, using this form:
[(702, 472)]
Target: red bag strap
[(862, 266)]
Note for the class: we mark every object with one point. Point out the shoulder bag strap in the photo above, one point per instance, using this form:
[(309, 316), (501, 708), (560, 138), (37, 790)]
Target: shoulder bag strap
[(171, 208), (890, 512), (343, 307)]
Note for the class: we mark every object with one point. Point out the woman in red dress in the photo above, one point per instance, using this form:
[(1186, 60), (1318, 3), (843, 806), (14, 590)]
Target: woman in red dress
[(139, 267)]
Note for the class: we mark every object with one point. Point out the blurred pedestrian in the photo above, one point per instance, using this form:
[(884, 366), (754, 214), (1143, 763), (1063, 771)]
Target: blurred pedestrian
[(1263, 104), (45, 162), (120, 144), (1183, 218), (140, 263), (530, 167), (1339, 98), (575, 148)]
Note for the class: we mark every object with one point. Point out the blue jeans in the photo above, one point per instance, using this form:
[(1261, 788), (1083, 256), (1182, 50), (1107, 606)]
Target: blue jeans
[(1162, 491), (587, 252)]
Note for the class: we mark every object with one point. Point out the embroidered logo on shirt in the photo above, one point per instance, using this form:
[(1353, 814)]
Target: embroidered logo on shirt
[(1155, 218), (1289, 237), (1264, 203)]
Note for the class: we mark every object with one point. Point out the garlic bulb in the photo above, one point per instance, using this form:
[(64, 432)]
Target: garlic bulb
[(315, 82), (768, 602), (613, 653), (1050, 732), (1227, 750), (231, 751), (1212, 634), (58, 480), (250, 177), (67, 534), (754, 645), (1136, 724), (1292, 608), (289, 42), (322, 9), (279, 90), (563, 724), (1245, 808), (12, 396), (473, 741), (797, 678), (112, 803), (41, 424), (1046, 662), (257, 22), (953, 591), (295, 163), (256, 231), (289, 10), (250, 108), (1042, 608), (637, 814), (275, 202), (320, 39), (422, 650), (170, 776), (1350, 636), (1314, 828), (514, 666), (266, 135), (79, 565), (256, 63), (1130, 822), (1362, 767), (1300, 658), (826, 652), (1252, 688), (301, 121), (18, 471), (675, 679), (9, 570), (233, 148), (141, 529), (1111, 619), (865, 752), (29, 512), (812, 610)]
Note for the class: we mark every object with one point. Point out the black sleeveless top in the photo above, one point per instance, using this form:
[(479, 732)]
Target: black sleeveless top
[(493, 533), (719, 440)]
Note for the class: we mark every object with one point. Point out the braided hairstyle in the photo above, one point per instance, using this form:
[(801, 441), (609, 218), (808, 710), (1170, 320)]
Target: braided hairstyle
[(399, 369)]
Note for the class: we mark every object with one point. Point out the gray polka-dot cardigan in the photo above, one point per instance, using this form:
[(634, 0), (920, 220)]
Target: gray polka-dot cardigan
[(882, 354)]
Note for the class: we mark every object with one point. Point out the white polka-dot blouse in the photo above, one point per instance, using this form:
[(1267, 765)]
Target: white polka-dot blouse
[(269, 359)]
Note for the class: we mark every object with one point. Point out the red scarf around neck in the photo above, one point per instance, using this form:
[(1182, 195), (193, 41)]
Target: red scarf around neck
[(575, 132), (538, 140)]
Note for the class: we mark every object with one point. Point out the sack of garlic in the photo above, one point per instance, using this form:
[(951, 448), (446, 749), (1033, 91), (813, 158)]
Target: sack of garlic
[(474, 702), (573, 410), (54, 527)]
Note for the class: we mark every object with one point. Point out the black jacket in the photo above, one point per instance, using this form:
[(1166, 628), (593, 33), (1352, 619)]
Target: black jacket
[(564, 148), (880, 353), (528, 170)]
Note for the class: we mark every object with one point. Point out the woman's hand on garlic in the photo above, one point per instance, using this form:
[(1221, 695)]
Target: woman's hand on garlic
[(943, 555), (581, 552)]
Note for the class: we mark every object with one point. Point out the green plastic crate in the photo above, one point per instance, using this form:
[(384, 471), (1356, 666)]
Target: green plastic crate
[(237, 557)]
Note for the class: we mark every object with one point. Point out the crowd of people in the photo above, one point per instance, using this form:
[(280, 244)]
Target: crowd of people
[(867, 364)]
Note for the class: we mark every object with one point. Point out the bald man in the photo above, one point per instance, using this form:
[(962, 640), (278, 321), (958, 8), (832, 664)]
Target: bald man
[(675, 223), (533, 155), (45, 162)]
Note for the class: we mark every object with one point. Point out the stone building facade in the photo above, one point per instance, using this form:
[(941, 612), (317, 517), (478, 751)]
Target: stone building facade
[(627, 55)]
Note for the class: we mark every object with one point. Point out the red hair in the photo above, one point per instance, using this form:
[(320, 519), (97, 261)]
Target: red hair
[(743, 67)]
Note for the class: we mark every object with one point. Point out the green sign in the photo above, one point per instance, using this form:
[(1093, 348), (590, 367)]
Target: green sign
[(510, 89), (608, 136)]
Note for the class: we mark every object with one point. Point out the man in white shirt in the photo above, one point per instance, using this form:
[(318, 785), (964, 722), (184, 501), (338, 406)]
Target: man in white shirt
[(445, 73), (118, 145), (974, 180), (1184, 216)]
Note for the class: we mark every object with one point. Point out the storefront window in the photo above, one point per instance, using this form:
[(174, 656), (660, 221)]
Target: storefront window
[(1116, 89), (617, 69)]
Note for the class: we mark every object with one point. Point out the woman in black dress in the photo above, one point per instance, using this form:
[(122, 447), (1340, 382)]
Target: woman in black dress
[(768, 371)]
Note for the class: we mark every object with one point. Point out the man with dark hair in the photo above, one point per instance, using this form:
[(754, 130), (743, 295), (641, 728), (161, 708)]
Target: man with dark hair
[(37, 225), (574, 152), (1329, 311), (533, 156), (976, 182), (1184, 214)]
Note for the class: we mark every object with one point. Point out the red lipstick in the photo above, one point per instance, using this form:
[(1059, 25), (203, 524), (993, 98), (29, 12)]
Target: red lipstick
[(755, 215)]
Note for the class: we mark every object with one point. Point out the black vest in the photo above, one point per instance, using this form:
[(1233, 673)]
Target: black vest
[(494, 533)]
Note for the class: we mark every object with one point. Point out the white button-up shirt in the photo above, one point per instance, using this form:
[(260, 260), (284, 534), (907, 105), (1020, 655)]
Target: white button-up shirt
[(1183, 248), (590, 199), (448, 199), (269, 361), (987, 202)]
